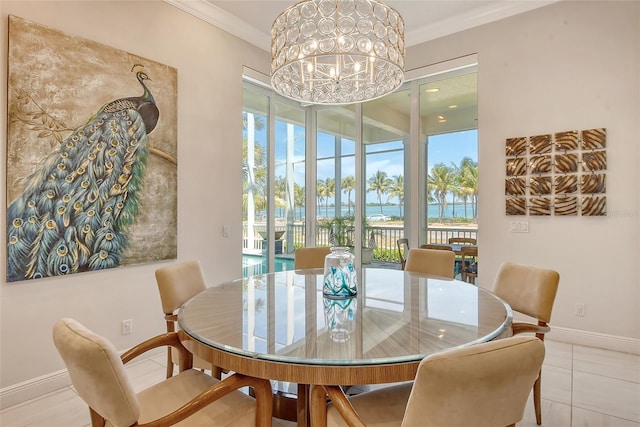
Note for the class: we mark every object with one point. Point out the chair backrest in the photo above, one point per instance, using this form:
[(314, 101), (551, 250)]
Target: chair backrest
[(436, 247), (528, 290), (482, 385), (470, 252), (462, 241), (304, 258), (431, 261), (403, 250), (178, 283), (97, 372)]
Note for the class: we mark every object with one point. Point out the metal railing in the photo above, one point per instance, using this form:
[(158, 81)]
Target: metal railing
[(385, 236)]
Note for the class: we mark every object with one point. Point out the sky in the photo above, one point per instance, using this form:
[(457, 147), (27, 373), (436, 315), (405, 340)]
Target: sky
[(445, 148)]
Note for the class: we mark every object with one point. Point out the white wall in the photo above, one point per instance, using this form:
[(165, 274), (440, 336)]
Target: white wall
[(571, 65), (209, 64)]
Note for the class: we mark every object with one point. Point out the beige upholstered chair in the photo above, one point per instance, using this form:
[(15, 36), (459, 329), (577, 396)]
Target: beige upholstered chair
[(99, 377), (177, 283), (530, 291), (403, 251), (481, 385), (304, 258), (431, 261)]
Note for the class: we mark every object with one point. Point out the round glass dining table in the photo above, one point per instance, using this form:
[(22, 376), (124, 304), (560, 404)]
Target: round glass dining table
[(279, 326)]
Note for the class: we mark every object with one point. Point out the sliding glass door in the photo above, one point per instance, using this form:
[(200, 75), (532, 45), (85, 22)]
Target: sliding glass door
[(360, 175)]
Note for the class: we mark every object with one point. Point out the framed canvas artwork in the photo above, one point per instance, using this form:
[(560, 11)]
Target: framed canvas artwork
[(91, 155)]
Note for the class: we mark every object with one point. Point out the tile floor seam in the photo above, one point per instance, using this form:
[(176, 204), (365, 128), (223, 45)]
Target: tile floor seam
[(603, 413), (571, 389)]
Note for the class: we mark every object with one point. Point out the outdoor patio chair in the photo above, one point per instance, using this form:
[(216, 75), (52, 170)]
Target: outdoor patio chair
[(403, 251), (462, 241)]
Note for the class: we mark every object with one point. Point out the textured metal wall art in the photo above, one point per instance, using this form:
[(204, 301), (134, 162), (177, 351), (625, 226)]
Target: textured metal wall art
[(557, 174)]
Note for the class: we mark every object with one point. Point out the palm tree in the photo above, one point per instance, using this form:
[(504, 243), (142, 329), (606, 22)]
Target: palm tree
[(457, 189), (397, 190), (280, 193), (380, 184), (321, 192), (440, 181), (348, 185), (468, 181), (298, 198), (330, 183), (255, 180)]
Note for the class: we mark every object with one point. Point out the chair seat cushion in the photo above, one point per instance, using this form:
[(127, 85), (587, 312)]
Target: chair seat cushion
[(383, 407), (234, 409)]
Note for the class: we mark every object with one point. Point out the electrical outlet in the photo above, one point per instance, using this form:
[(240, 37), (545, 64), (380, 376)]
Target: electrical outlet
[(126, 327), (580, 309)]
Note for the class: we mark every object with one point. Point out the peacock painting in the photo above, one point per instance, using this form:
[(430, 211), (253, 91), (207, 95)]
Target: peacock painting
[(88, 204)]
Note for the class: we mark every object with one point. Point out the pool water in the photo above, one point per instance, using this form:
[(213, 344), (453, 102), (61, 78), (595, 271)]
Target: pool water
[(255, 264)]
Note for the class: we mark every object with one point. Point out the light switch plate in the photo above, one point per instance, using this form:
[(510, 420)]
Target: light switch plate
[(519, 226)]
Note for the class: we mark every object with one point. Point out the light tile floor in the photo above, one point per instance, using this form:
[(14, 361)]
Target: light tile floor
[(581, 387)]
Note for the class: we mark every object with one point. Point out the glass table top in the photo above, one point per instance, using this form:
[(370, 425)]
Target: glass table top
[(396, 317)]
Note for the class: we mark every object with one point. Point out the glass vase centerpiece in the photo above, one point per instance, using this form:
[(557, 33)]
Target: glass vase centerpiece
[(340, 279), (340, 317)]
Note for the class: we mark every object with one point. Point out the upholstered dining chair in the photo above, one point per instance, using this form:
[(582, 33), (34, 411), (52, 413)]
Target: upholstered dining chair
[(531, 291), (189, 398), (178, 283), (431, 261), (403, 251), (482, 385), (304, 258)]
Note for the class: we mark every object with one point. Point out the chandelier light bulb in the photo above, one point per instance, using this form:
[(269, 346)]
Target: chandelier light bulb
[(337, 51)]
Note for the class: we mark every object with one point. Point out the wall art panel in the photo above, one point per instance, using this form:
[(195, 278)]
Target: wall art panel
[(547, 174)]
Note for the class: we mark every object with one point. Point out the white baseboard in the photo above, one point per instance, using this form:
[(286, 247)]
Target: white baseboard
[(33, 388), (594, 339)]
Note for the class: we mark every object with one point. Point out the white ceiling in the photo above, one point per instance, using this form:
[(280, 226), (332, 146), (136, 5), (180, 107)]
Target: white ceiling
[(424, 19)]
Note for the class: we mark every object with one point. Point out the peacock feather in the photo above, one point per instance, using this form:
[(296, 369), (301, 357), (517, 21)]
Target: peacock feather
[(73, 213)]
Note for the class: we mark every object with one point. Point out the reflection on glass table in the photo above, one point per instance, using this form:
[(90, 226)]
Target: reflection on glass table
[(279, 326)]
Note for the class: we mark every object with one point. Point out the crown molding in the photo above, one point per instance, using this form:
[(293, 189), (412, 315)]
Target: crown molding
[(225, 21), (232, 24), (474, 18)]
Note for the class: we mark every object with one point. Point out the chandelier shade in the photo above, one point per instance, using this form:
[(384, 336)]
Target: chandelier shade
[(337, 51)]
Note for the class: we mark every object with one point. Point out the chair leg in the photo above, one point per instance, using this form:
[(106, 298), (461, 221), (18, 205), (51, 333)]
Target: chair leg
[(169, 363), (536, 398), (96, 419)]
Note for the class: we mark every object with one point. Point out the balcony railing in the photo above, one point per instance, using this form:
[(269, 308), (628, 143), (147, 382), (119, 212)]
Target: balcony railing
[(385, 237)]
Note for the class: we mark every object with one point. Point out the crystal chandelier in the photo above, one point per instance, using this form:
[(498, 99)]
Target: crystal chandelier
[(337, 51)]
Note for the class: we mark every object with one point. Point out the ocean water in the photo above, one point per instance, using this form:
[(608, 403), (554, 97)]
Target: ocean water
[(452, 211)]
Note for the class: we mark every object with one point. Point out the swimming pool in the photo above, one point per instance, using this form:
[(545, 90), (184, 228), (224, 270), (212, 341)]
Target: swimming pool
[(256, 264)]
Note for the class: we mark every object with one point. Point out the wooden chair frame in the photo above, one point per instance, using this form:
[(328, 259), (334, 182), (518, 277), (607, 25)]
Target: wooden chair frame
[(261, 387)]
